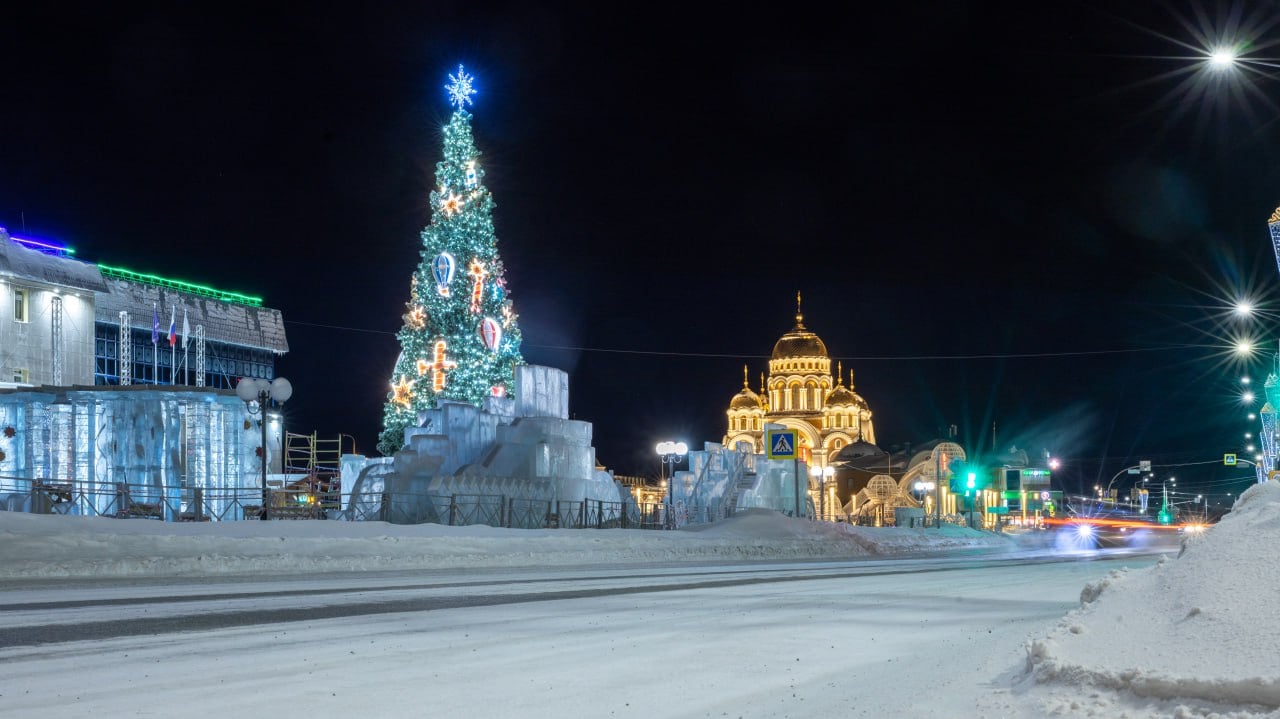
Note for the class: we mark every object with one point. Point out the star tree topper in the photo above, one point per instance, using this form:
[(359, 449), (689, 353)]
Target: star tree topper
[(460, 88)]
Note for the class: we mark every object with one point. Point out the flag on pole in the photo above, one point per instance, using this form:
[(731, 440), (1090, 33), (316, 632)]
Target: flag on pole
[(173, 327), (155, 325), (186, 328)]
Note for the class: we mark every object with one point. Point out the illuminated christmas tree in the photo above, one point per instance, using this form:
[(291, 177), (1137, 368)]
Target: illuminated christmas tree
[(460, 339)]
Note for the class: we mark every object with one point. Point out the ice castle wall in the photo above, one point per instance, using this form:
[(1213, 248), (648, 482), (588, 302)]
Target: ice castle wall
[(152, 445), (523, 447), (721, 480)]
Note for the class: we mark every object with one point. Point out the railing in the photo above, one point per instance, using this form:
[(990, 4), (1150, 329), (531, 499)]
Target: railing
[(125, 500), (194, 504), (496, 510)]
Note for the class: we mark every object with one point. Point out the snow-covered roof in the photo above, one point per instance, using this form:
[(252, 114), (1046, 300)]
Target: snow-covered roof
[(234, 323), (28, 264)]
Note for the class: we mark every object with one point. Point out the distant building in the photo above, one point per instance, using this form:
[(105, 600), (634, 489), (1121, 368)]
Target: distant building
[(62, 322), (115, 389), (801, 394)]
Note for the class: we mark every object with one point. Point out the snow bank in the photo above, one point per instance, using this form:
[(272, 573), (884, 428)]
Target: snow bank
[(1197, 634), (34, 546)]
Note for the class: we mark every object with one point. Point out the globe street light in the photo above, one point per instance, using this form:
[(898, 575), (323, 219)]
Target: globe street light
[(260, 391), (670, 453), (822, 474)]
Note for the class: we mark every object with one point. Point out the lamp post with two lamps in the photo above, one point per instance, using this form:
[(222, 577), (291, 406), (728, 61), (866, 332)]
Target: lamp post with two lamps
[(261, 391), (670, 453)]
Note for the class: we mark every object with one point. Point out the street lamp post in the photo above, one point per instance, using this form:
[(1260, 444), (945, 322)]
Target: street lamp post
[(261, 391), (670, 453), (1117, 475), (924, 488), (822, 474)]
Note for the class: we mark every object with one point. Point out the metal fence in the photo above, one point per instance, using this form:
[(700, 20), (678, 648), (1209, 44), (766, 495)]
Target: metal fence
[(496, 510), (137, 501)]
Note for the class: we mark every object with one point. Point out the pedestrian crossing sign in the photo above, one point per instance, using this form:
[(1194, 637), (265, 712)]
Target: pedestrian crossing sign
[(782, 444)]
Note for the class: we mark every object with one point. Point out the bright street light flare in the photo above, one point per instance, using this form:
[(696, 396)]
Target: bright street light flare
[(1222, 58)]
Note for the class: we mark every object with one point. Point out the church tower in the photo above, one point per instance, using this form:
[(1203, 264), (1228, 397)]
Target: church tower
[(801, 394)]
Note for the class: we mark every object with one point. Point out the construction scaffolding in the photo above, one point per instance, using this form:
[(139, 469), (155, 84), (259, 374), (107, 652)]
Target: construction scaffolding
[(318, 458)]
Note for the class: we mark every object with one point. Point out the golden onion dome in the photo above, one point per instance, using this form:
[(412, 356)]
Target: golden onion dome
[(746, 399), (841, 396), (799, 342)]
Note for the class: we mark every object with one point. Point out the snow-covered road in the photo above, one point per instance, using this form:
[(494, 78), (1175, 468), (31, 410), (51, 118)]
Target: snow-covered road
[(867, 638)]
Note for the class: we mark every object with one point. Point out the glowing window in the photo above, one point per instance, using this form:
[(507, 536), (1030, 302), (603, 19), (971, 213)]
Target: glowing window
[(21, 305)]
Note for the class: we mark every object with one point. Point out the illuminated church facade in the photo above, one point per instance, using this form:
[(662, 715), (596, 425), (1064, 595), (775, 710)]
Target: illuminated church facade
[(801, 393)]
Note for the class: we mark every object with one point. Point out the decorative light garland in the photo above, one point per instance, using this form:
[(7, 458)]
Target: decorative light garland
[(440, 365), (403, 392), (478, 274)]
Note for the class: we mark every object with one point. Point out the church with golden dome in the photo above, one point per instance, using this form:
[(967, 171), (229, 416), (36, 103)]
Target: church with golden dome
[(800, 393)]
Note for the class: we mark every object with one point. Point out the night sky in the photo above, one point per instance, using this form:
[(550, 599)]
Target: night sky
[(1028, 214)]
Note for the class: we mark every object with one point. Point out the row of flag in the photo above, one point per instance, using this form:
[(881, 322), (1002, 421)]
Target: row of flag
[(173, 332)]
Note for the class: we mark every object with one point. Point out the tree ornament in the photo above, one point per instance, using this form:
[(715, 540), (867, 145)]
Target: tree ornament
[(498, 390), (442, 268), (9, 432), (460, 88), (423, 367), (440, 365), (403, 392), (478, 273), (471, 180), (415, 318), (451, 203), (490, 333)]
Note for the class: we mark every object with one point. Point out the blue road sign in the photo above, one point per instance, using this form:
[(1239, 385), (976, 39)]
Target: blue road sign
[(782, 444)]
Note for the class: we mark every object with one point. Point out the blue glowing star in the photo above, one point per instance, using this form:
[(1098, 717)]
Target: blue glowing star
[(460, 89)]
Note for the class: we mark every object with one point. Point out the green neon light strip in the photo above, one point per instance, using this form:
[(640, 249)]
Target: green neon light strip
[(179, 285)]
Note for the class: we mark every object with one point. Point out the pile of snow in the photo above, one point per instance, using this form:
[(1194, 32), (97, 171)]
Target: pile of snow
[(1195, 635), (34, 546)]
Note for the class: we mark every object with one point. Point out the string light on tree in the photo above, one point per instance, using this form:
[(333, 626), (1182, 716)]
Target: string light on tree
[(455, 339)]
